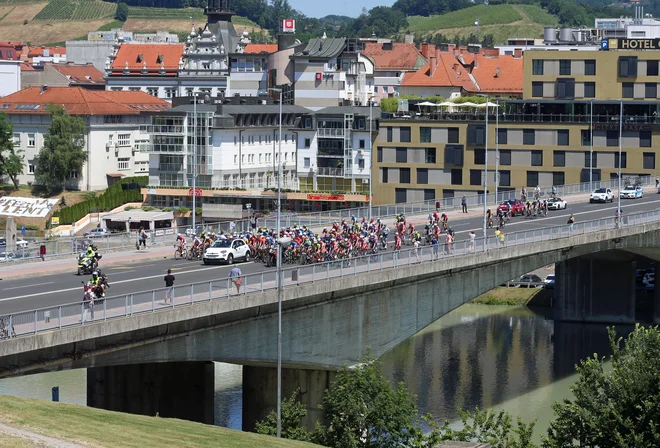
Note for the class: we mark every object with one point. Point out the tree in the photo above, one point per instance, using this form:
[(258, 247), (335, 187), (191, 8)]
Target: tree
[(11, 160), (122, 12), (292, 414), (614, 407), (63, 152)]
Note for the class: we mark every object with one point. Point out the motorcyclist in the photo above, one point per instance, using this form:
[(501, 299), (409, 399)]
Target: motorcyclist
[(97, 282)]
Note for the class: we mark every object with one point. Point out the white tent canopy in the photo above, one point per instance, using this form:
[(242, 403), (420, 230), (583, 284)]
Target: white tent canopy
[(489, 105)]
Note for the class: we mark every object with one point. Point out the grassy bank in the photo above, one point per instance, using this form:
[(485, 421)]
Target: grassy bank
[(516, 296), (94, 427)]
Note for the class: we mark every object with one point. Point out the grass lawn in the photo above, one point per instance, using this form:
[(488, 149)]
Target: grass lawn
[(98, 428), (7, 441), (516, 296), (488, 15)]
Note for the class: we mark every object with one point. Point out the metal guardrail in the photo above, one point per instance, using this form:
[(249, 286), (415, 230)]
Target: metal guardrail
[(81, 313)]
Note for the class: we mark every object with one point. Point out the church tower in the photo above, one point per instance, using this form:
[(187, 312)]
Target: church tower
[(219, 11)]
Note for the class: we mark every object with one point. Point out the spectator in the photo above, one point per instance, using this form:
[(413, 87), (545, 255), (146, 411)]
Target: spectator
[(417, 250), (142, 238), (473, 237), (437, 206), (571, 221), (464, 204), (500, 236), (657, 182), (235, 276), (434, 243), (450, 242), (169, 286)]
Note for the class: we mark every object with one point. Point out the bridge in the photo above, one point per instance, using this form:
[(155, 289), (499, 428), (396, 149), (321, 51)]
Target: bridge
[(137, 350)]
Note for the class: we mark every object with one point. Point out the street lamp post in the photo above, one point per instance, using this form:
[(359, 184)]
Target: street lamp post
[(497, 149), (371, 152), (194, 163), (486, 178), (591, 146), (279, 272), (618, 207)]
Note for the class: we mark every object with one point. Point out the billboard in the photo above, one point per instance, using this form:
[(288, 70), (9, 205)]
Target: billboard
[(288, 26), (26, 207)]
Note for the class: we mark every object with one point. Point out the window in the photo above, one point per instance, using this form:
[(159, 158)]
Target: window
[(649, 160), (361, 164), (564, 67), (124, 139), (379, 155), (361, 144), (505, 157), (308, 123), (401, 155), (558, 178), (308, 142), (589, 68), (559, 159), (422, 176), (585, 136), (189, 92), (122, 163), (31, 140), (452, 135), (476, 134), (384, 175), (650, 90), (74, 174), (627, 66), (235, 160), (134, 89), (590, 90), (475, 177), (425, 135), (645, 139), (169, 93), (537, 158), (457, 176), (651, 68), (612, 138), (429, 155), (404, 134), (565, 88), (505, 178), (286, 138), (562, 137), (537, 89), (235, 140), (624, 160), (479, 156), (532, 178), (453, 155), (537, 66), (400, 196), (389, 133), (16, 138), (429, 194), (502, 136), (152, 91), (529, 137), (31, 167), (594, 159), (404, 175)]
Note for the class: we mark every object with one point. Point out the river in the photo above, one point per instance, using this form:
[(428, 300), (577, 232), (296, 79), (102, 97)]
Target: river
[(499, 357)]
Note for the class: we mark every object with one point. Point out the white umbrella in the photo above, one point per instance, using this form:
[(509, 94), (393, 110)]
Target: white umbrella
[(447, 103), (489, 105), (468, 104), (427, 103)]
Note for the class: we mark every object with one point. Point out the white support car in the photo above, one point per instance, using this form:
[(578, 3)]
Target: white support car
[(601, 195), (632, 192), (557, 204), (227, 251)]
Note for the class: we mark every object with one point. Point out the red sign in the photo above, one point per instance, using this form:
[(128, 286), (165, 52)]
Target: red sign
[(197, 192), (325, 197), (319, 76), (288, 25)]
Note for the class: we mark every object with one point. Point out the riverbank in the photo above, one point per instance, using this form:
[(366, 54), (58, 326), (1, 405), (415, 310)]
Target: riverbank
[(80, 425), (516, 296)]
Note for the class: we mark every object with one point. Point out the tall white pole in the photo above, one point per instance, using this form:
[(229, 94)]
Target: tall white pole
[(591, 147), (618, 208), (371, 152), (194, 169), (279, 280), (486, 181), (497, 149)]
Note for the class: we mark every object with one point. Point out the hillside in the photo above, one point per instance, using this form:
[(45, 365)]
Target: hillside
[(502, 21), (61, 20)]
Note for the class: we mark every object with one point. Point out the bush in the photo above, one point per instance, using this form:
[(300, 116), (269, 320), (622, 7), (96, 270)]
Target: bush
[(25, 22), (122, 12), (182, 210)]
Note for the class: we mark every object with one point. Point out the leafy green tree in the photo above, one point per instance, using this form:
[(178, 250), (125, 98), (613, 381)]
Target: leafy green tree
[(11, 160), (122, 12), (63, 151), (617, 407), (292, 413)]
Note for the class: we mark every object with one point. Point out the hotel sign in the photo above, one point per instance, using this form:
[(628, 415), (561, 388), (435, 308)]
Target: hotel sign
[(630, 44), (626, 127)]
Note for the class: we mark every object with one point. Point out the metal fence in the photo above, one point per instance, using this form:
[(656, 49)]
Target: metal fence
[(81, 313)]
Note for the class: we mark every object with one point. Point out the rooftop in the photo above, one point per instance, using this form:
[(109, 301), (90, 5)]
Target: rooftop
[(322, 48), (260, 48), (498, 75), (46, 51), (153, 57), (80, 101), (394, 56), (448, 72), (80, 74)]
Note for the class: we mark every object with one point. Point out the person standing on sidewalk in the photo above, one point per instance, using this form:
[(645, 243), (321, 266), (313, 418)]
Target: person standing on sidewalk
[(169, 286), (464, 204), (473, 236), (417, 250), (235, 276), (571, 222)]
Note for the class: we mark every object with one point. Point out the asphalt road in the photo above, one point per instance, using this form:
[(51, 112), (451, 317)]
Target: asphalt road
[(49, 290)]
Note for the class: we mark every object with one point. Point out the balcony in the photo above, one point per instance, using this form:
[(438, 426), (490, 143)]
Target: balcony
[(161, 129), (331, 132), (176, 167), (326, 171), (630, 122)]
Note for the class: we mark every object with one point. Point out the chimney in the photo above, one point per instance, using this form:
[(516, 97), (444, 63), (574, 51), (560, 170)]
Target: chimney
[(424, 49), (434, 65), (44, 87), (476, 60), (409, 38), (451, 48)]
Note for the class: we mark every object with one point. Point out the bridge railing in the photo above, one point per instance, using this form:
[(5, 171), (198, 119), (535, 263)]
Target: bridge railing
[(84, 313)]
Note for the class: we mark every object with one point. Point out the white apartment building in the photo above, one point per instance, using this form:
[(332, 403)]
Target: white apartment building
[(113, 141)]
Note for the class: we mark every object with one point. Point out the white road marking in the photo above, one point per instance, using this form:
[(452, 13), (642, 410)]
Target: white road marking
[(27, 286)]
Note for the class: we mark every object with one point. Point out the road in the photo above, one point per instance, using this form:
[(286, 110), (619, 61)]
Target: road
[(50, 290)]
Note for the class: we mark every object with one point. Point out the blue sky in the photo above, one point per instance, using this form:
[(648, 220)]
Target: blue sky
[(316, 8)]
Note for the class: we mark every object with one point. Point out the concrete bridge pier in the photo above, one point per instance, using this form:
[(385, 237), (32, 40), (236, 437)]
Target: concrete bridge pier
[(260, 392), (596, 289), (183, 390)]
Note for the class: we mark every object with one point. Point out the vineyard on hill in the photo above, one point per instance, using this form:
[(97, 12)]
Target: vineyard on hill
[(76, 10)]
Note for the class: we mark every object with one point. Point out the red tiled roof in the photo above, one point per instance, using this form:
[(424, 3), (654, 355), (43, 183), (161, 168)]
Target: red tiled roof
[(26, 67), (448, 73), (154, 55), (509, 79), (80, 101), (260, 48), (80, 74), (39, 51), (402, 56)]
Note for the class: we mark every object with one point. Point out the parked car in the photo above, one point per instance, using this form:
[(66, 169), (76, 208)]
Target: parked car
[(227, 251), (549, 282), (514, 206), (601, 195), (632, 192), (530, 278), (20, 244), (557, 204), (97, 232), (8, 256)]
